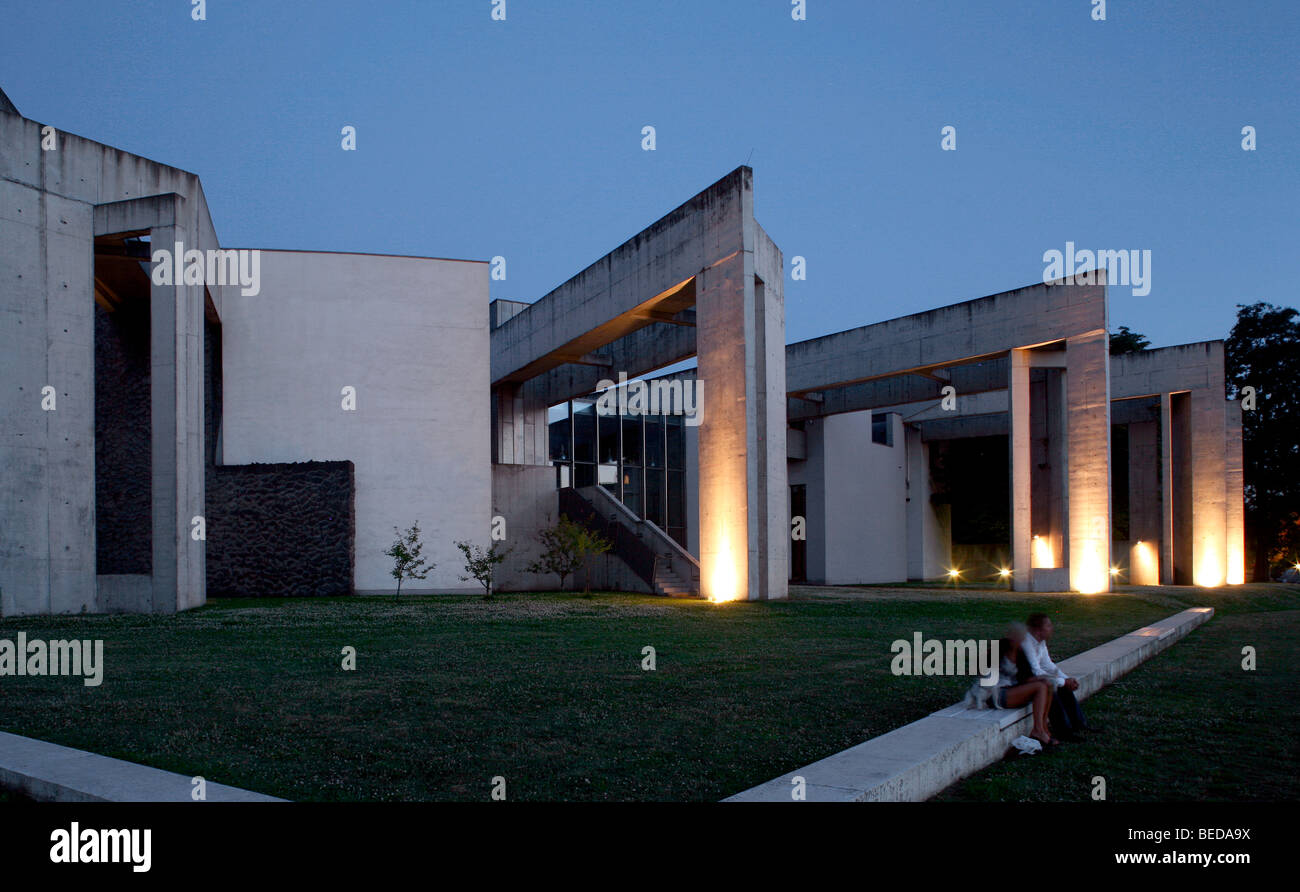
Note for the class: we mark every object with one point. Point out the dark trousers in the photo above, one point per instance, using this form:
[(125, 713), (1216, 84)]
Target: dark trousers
[(1066, 715)]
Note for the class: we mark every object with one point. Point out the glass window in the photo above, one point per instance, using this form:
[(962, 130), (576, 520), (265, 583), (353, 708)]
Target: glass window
[(584, 431), (676, 442), (631, 440), (632, 489), (882, 431), (584, 475), (676, 499), (559, 426), (654, 497), (608, 426), (654, 443)]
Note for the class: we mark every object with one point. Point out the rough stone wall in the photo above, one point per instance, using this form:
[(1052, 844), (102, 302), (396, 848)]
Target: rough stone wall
[(123, 441), (281, 530)]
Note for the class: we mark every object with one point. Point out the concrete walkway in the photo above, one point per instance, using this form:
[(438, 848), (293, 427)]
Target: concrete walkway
[(48, 772), (918, 760)]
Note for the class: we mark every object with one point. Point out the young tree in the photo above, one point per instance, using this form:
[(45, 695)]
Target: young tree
[(482, 564), (405, 552), (1263, 353), (566, 547)]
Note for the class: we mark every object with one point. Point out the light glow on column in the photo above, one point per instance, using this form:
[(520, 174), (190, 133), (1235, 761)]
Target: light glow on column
[(1043, 557), (1093, 573), (1209, 566), (1236, 566), (1145, 563), (723, 576)]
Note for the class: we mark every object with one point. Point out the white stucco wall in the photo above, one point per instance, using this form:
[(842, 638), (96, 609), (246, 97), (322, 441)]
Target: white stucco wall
[(411, 335), (857, 501)]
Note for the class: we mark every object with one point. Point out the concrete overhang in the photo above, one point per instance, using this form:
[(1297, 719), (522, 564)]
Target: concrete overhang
[(972, 331), (649, 280), (1183, 367)]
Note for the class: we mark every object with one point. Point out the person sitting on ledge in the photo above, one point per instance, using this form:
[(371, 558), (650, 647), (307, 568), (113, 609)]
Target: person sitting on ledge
[(1012, 692), (1065, 715)]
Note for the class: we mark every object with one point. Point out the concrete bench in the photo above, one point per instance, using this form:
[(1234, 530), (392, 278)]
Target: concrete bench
[(918, 760), (48, 772)]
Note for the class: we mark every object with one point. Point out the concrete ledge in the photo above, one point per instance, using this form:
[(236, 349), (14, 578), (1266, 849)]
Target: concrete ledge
[(916, 761), (48, 772)]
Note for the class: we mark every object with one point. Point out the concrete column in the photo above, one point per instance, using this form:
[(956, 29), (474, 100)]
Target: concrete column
[(929, 549), (1144, 506), (1166, 490), (1021, 472), (1088, 417), (176, 367), (1058, 426), (1209, 472), (1050, 465), (1180, 461), (744, 532), (1234, 495)]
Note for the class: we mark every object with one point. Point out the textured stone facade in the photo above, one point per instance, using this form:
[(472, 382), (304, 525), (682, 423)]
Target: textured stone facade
[(280, 530)]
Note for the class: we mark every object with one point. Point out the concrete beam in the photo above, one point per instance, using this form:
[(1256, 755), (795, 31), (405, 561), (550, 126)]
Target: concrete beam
[(976, 329), (653, 272)]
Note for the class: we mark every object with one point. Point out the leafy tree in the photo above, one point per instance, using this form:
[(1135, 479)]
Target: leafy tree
[(1125, 341), (405, 552), (482, 564), (1263, 352), (566, 547)]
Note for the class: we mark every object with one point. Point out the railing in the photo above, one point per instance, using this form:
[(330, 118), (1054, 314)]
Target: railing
[(626, 544), (648, 532)]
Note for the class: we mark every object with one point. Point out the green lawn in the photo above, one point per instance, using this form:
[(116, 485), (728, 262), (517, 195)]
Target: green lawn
[(1189, 724), (547, 691)]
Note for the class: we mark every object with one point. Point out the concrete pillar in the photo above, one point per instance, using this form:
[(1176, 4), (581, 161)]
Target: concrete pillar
[(1021, 472), (1166, 489), (176, 364), (1180, 420), (1209, 473), (744, 531), (1087, 386), (1144, 481), (1234, 495), (929, 546), (1051, 484), (1144, 502)]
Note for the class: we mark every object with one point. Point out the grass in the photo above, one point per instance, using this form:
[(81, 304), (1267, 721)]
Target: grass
[(547, 691), (1190, 724)]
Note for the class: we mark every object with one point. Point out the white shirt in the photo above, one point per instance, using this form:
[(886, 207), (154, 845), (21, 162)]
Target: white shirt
[(1040, 661)]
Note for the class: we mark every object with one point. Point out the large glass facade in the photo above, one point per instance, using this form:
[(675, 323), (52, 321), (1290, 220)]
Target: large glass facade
[(640, 459)]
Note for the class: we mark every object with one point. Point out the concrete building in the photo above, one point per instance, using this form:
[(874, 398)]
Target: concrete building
[(179, 419)]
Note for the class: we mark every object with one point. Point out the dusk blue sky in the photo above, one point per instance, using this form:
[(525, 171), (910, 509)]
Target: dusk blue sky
[(523, 138)]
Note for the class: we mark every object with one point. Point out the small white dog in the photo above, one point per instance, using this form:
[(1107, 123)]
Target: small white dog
[(979, 696)]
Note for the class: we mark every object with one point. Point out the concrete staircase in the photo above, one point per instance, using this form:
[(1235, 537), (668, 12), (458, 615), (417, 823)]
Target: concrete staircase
[(673, 579), (675, 572)]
